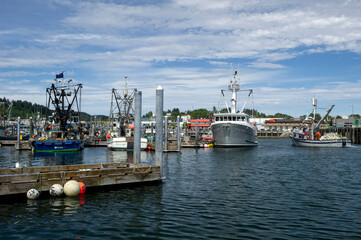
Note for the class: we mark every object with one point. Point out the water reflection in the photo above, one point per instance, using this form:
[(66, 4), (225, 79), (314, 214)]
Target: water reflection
[(58, 158), (125, 156), (119, 156)]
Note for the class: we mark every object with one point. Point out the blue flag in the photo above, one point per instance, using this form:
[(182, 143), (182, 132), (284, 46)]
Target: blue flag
[(60, 75)]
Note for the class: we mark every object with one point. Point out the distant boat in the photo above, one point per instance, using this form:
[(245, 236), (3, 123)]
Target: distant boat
[(121, 121), (10, 132), (234, 129), (311, 137), (62, 131), (56, 143)]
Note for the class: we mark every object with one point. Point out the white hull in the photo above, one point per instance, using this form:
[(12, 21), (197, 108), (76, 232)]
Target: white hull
[(233, 134), (123, 143), (320, 143)]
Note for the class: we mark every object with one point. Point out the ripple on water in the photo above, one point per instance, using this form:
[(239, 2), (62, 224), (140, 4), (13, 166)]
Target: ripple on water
[(271, 191)]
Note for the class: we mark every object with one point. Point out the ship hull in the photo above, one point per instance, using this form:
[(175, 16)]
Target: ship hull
[(233, 135), (320, 143), (56, 145)]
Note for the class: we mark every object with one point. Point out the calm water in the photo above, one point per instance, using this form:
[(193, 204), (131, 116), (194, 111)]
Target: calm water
[(274, 191)]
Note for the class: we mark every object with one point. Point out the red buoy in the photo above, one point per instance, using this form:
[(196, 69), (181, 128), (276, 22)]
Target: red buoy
[(82, 187)]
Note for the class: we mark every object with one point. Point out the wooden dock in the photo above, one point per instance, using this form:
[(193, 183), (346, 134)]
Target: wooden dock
[(24, 144), (14, 181)]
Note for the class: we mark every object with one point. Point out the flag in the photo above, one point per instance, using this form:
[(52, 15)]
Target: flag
[(60, 75)]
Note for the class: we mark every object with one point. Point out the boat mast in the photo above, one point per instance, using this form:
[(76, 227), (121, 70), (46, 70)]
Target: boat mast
[(324, 116), (314, 104), (234, 87)]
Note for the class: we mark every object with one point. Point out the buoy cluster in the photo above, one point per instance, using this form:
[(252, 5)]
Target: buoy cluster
[(71, 188)]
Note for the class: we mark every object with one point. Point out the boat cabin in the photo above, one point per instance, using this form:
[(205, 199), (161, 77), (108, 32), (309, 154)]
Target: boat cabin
[(231, 117)]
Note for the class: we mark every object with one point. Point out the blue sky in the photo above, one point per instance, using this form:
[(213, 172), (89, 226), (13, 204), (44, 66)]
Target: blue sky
[(286, 51)]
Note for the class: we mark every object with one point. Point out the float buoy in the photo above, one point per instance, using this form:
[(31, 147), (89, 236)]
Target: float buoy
[(56, 190), (71, 188), (131, 126), (108, 136), (32, 194), (82, 187)]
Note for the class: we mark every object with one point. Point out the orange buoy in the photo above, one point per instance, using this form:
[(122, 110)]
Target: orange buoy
[(131, 126), (108, 136), (82, 187)]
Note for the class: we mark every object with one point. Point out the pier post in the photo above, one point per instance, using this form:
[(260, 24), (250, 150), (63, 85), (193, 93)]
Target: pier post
[(159, 128), (178, 135), (31, 127), (137, 125), (196, 132), (166, 133), (18, 135)]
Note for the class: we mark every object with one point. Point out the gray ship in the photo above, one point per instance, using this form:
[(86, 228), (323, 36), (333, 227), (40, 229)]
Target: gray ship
[(234, 129)]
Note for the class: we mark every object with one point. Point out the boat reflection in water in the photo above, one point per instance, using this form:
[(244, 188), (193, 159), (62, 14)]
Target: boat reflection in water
[(59, 158)]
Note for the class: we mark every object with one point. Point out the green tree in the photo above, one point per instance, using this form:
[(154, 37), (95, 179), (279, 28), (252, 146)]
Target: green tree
[(175, 112), (200, 113), (148, 115), (356, 116)]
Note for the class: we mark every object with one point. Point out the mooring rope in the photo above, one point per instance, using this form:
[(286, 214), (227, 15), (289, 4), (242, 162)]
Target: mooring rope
[(147, 171)]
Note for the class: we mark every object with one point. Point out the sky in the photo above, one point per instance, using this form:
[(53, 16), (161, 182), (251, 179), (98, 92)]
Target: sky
[(286, 51)]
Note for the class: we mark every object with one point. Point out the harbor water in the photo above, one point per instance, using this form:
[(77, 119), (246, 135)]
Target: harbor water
[(273, 191)]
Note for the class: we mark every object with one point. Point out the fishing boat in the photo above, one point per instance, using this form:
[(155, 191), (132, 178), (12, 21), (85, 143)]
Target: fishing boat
[(121, 121), (62, 130), (310, 136), (234, 128)]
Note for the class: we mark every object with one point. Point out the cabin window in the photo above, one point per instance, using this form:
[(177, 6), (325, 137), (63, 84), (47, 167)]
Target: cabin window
[(234, 118), (242, 118), (217, 118), (238, 118)]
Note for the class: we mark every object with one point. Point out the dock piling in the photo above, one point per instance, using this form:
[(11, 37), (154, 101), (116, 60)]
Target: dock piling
[(178, 135), (31, 127), (196, 134), (166, 133), (137, 125), (18, 135), (159, 128)]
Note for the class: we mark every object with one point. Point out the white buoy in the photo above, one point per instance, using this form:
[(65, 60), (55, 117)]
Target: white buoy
[(32, 194), (56, 190), (72, 188)]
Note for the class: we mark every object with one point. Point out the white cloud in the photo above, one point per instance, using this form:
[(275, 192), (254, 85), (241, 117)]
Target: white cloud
[(158, 43)]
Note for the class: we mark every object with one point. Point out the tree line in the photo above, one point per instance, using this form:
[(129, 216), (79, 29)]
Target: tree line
[(25, 109)]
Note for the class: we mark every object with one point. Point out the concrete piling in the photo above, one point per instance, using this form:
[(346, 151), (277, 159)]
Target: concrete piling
[(137, 126), (178, 134), (18, 134), (159, 128), (166, 133)]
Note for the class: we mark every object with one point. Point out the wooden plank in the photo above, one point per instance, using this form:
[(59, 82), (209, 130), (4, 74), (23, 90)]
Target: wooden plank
[(66, 168), (21, 180)]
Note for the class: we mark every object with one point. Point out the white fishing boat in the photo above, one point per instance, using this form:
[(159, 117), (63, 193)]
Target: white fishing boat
[(234, 129), (121, 121), (310, 136)]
